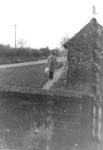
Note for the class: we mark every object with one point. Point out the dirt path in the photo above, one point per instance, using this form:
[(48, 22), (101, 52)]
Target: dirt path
[(59, 59), (57, 76)]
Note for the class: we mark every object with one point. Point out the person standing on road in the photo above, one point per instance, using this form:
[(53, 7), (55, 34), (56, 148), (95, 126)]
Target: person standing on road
[(51, 64)]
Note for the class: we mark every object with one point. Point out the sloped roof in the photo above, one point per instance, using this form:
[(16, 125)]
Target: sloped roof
[(88, 37)]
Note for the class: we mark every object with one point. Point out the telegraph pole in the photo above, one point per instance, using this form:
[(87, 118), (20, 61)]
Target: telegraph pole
[(15, 36)]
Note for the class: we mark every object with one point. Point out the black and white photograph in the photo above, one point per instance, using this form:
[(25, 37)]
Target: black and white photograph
[(51, 75)]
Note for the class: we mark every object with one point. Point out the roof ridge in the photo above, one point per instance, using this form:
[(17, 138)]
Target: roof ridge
[(89, 29)]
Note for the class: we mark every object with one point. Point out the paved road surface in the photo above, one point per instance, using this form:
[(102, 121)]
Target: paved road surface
[(60, 59)]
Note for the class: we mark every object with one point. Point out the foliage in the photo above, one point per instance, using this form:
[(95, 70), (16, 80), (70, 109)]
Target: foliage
[(12, 55), (44, 51)]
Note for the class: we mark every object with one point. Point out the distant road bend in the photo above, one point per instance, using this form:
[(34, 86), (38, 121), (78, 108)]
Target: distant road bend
[(59, 59)]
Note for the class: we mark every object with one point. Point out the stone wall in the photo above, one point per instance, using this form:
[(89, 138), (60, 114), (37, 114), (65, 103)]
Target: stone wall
[(40, 119)]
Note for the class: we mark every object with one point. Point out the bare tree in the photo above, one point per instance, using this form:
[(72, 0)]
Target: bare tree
[(64, 40), (21, 43)]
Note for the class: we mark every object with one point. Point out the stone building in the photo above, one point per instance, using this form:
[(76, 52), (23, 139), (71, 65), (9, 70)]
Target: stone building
[(85, 67), (85, 51)]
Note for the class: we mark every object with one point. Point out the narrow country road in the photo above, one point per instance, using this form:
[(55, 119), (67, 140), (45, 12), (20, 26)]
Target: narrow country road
[(59, 59)]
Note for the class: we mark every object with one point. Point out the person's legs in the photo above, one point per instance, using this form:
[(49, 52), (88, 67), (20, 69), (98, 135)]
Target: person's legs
[(51, 75)]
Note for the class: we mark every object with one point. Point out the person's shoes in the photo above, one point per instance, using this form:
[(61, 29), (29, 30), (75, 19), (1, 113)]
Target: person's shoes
[(51, 78)]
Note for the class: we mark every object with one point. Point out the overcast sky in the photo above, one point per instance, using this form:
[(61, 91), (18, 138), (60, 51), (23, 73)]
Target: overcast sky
[(45, 22)]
